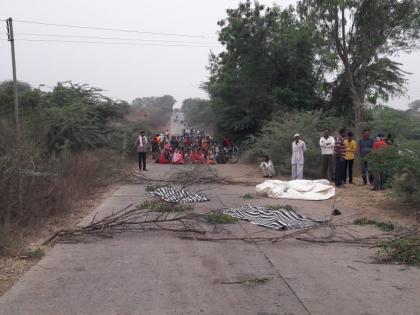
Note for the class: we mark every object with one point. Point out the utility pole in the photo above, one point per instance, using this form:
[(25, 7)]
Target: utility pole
[(11, 39)]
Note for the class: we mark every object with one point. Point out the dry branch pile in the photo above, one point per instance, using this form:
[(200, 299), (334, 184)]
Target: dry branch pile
[(147, 216)]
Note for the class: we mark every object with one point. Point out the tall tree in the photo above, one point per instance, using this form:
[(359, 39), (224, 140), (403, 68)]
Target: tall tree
[(268, 66), (365, 35), (157, 110), (199, 113)]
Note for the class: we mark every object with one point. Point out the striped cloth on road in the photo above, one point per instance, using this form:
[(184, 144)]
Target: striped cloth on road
[(281, 219), (177, 194)]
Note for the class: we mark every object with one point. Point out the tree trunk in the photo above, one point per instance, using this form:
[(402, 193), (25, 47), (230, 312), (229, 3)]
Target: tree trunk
[(357, 110), (357, 105)]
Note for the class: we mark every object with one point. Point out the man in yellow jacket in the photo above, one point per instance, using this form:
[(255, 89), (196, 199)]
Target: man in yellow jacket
[(350, 146)]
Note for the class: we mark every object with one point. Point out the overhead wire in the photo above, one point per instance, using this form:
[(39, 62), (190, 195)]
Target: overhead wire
[(111, 43), (112, 29), (116, 38)]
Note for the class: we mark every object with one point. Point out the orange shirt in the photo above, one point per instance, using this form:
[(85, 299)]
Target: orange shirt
[(380, 144)]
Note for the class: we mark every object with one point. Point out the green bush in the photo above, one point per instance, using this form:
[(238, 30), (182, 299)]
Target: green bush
[(401, 164), (387, 120), (275, 140), (401, 250)]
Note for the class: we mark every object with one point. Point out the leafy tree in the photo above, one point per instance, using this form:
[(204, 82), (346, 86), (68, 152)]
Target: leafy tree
[(157, 110), (400, 124), (199, 113), (269, 65), (28, 98), (74, 117), (365, 35), (414, 108)]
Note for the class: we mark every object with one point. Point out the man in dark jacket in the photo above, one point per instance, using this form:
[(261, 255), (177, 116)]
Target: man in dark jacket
[(365, 146)]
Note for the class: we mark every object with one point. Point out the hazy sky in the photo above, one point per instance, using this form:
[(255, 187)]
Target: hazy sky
[(128, 71)]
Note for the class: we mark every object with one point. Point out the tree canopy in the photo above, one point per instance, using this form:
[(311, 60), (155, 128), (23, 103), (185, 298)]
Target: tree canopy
[(156, 109), (364, 35), (334, 55), (269, 66)]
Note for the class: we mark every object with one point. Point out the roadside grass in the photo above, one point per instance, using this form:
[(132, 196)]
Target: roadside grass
[(384, 226), (35, 254), (248, 197), (220, 218), (257, 281), (400, 250), (163, 206), (248, 282)]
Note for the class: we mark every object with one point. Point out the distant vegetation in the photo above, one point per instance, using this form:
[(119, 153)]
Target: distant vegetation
[(155, 111), (198, 113), (73, 140)]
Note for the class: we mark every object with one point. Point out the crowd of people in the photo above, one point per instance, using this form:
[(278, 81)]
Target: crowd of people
[(337, 153), (338, 156), (192, 147)]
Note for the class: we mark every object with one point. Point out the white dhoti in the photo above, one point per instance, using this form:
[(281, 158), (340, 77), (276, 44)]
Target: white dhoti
[(297, 171)]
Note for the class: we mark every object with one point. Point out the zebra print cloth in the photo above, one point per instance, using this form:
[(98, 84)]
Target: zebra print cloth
[(282, 219), (176, 194)]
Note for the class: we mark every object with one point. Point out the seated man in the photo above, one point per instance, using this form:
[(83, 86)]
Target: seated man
[(267, 167)]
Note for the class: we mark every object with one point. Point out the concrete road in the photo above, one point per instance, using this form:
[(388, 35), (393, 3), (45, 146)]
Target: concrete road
[(158, 273), (177, 128)]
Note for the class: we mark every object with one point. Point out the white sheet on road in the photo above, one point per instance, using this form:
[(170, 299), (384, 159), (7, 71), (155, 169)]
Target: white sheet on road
[(300, 189)]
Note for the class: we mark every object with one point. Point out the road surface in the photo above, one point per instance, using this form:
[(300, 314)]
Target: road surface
[(177, 127), (158, 273)]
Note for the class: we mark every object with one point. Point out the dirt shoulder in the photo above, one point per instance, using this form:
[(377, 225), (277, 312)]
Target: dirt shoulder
[(29, 249)]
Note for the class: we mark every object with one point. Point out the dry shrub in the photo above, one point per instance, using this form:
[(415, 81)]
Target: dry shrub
[(35, 185)]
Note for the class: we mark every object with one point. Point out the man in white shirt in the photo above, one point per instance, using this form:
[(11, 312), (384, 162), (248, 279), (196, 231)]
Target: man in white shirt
[(327, 144), (298, 149), (141, 144)]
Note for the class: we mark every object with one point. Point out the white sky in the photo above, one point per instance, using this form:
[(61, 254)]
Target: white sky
[(128, 71)]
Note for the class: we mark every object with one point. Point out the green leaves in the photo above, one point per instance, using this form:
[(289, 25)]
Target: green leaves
[(268, 66), (365, 35)]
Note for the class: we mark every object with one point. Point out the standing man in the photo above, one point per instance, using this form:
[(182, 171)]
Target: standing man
[(327, 144), (365, 146), (340, 153), (350, 145), (298, 149), (380, 174), (141, 144)]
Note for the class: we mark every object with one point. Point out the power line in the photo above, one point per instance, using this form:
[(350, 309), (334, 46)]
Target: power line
[(110, 43), (116, 38), (112, 29)]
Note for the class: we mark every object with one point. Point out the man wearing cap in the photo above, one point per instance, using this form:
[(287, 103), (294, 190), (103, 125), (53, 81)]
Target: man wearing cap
[(141, 144), (298, 149)]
